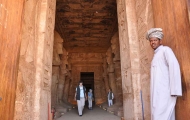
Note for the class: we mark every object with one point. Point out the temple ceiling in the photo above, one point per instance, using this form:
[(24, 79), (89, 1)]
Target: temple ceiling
[(86, 25)]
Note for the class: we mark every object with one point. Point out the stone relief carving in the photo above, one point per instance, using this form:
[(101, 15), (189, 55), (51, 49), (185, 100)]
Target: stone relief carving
[(115, 47), (57, 49), (54, 85), (85, 56), (105, 74), (60, 58), (109, 57)]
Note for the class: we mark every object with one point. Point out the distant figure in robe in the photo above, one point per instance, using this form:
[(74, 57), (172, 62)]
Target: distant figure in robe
[(165, 78), (110, 98)]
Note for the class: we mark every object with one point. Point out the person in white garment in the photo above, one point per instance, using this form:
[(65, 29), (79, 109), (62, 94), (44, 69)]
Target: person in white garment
[(165, 78), (110, 97), (90, 98), (80, 96)]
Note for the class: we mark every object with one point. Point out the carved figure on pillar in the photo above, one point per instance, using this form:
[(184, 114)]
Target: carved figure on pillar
[(115, 47), (63, 74), (105, 74), (54, 83), (61, 63), (111, 74)]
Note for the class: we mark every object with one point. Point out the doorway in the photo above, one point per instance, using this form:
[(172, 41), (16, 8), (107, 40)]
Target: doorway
[(88, 82)]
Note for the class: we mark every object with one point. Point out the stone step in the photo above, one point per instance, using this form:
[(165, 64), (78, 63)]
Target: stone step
[(105, 105), (116, 109), (62, 110), (119, 112), (113, 108), (58, 115)]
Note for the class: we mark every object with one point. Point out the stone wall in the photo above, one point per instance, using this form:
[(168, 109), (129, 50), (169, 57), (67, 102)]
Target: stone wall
[(176, 28), (33, 94), (87, 62), (10, 28)]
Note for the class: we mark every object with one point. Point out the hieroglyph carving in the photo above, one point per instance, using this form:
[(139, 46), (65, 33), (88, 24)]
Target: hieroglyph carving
[(86, 57), (48, 46), (115, 47)]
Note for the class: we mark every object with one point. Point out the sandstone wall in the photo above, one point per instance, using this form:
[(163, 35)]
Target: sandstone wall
[(33, 94), (10, 28), (87, 62), (176, 28)]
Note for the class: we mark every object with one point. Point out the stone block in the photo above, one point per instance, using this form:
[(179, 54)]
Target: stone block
[(62, 110), (57, 115)]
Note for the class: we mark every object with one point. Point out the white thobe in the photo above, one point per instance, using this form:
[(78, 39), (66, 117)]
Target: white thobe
[(165, 81)]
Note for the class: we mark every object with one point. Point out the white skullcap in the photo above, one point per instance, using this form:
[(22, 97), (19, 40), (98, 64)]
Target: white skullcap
[(155, 32)]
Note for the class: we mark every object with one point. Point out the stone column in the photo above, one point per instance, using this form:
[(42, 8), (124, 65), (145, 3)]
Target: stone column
[(57, 79), (61, 87), (54, 84), (130, 63), (117, 66), (35, 60), (111, 73), (63, 73), (66, 89), (105, 74)]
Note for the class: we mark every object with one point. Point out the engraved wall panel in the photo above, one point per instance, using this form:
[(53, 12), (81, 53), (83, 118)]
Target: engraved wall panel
[(33, 93), (145, 21), (87, 62)]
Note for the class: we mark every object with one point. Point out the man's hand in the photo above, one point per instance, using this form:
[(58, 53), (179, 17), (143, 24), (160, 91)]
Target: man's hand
[(174, 95)]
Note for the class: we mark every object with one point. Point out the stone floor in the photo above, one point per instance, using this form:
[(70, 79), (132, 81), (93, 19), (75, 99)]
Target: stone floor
[(95, 114)]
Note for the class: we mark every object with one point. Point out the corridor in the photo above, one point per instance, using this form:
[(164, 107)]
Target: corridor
[(48, 46), (95, 114)]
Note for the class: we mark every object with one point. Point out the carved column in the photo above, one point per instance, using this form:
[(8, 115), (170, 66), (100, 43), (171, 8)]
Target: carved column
[(105, 74), (54, 83), (69, 76), (57, 77), (61, 87), (130, 63), (117, 66), (111, 73), (63, 74), (66, 89)]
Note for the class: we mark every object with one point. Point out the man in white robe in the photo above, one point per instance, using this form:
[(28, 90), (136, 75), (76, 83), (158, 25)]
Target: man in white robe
[(165, 78)]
